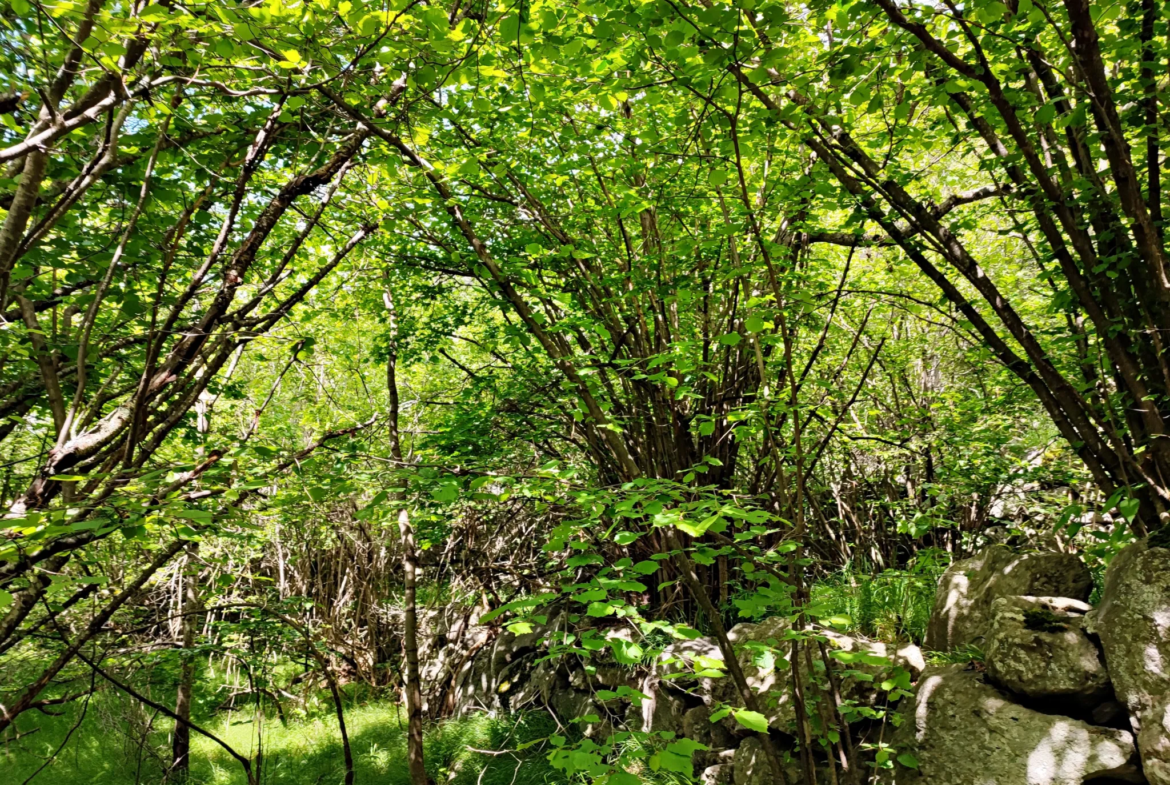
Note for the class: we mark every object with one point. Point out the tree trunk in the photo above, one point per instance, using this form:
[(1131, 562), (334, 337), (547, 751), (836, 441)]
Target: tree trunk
[(411, 688), (189, 624)]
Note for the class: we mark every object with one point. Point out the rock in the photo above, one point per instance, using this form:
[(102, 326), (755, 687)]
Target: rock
[(538, 685), (697, 726), (664, 712), (569, 705), (963, 731), (966, 591), (751, 766), (1133, 623), (1037, 648), (774, 685), (720, 774), (1154, 742), (679, 660)]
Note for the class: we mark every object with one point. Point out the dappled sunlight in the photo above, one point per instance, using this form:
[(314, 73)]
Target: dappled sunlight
[(922, 710), (1153, 660)]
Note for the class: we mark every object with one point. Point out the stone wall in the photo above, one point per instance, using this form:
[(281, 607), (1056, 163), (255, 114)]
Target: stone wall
[(1063, 693)]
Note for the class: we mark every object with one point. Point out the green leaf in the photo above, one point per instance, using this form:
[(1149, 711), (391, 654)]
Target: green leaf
[(1129, 508), (730, 339), (908, 760), (752, 720), (446, 493), (625, 652)]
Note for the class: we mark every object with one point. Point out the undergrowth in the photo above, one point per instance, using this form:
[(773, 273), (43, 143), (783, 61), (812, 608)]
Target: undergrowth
[(118, 743), (890, 605)]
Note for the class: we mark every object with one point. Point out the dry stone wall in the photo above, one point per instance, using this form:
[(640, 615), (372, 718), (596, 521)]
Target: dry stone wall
[(1064, 694)]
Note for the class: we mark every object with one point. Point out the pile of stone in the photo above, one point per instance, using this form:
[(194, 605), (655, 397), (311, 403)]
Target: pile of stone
[(1063, 694), (1068, 694)]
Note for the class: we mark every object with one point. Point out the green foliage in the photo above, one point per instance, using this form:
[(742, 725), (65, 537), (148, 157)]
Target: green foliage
[(889, 605), (106, 747)]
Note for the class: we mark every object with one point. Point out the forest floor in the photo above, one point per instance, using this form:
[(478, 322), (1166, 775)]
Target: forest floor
[(106, 749), (119, 742)]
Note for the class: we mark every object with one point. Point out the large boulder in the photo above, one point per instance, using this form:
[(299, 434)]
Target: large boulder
[(1037, 647), (1133, 623), (1154, 741), (966, 591), (963, 731)]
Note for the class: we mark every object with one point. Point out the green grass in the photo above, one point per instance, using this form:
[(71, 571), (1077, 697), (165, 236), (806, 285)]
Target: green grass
[(107, 748), (891, 605)]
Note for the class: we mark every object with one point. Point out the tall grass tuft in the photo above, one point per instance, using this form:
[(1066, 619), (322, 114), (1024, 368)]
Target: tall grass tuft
[(889, 605)]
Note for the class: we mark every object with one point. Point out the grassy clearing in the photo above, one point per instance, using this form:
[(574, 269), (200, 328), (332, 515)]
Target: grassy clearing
[(108, 749)]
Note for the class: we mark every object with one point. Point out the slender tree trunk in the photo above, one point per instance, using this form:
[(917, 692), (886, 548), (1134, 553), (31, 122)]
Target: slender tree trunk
[(189, 624), (412, 688)]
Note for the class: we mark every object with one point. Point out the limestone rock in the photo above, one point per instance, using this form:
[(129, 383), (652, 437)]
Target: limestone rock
[(751, 766), (697, 726), (1133, 623), (1154, 742), (679, 661), (962, 605), (1037, 648), (963, 731), (664, 711), (773, 685), (570, 704), (719, 774)]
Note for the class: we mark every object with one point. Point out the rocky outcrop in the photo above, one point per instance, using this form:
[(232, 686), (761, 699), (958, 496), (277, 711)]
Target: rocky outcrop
[(962, 606), (1037, 648), (1133, 623), (962, 730)]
